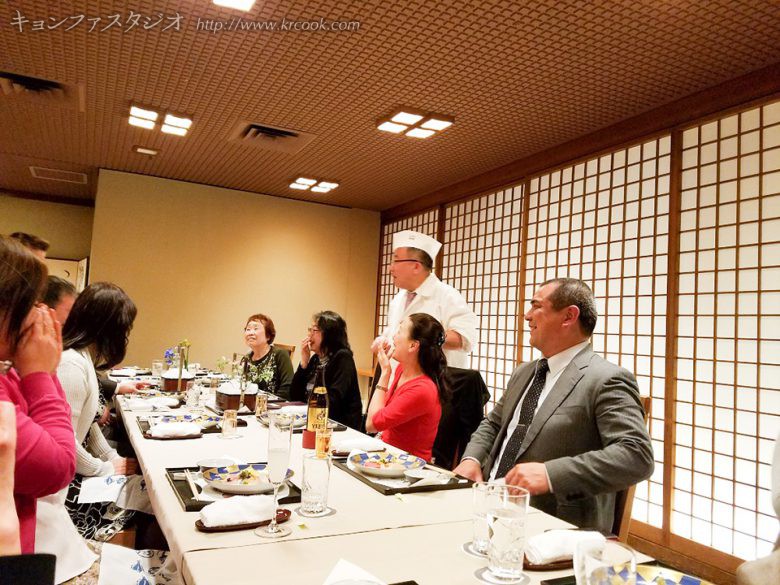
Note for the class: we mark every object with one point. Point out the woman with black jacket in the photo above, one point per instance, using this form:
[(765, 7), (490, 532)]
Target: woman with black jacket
[(327, 345)]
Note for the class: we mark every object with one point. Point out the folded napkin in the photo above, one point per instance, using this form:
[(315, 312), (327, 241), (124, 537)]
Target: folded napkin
[(142, 404), (558, 545), (174, 429), (346, 572), (359, 443), (237, 510), (123, 372), (294, 409)]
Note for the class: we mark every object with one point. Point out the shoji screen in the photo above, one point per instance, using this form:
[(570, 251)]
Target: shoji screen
[(606, 221), (728, 386), (427, 223), (481, 258)]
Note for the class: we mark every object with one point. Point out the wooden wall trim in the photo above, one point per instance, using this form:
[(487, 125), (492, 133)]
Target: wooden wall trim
[(48, 198), (756, 85)]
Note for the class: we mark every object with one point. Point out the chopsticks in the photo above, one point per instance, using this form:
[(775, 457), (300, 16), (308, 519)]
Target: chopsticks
[(191, 484)]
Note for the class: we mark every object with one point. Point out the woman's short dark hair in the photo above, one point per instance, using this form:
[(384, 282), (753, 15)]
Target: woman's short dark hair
[(572, 291), (101, 317), (431, 335), (268, 325), (56, 288), (22, 280), (32, 241), (334, 332)]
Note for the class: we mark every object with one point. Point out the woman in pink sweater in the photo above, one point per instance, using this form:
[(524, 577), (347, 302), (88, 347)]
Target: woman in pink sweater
[(31, 342)]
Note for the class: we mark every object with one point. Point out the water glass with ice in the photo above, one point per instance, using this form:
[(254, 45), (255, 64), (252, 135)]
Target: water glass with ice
[(506, 531)]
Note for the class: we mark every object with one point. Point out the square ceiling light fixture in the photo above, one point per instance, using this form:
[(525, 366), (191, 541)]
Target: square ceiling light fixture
[(306, 184), (145, 118), (176, 125), (244, 5), (142, 118), (414, 123)]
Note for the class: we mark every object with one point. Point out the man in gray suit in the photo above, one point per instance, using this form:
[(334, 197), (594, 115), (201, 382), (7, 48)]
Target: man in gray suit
[(570, 427)]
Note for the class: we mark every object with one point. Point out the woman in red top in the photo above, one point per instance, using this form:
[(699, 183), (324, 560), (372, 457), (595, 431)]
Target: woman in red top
[(408, 413), (31, 338)]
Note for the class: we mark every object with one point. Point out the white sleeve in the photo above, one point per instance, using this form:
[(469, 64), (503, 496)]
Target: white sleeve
[(462, 319)]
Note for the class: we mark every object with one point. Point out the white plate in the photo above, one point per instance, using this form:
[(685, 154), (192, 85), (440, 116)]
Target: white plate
[(218, 479), (399, 464)]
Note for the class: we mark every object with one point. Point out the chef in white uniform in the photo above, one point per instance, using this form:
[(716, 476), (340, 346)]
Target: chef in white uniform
[(422, 292)]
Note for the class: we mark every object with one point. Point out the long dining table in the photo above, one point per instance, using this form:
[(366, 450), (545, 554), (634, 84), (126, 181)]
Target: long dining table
[(414, 536)]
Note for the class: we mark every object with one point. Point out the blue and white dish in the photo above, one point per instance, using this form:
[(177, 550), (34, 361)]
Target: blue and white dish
[(241, 479), (385, 464)]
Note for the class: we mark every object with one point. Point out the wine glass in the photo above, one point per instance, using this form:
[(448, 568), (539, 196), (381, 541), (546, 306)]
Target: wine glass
[(597, 562), (279, 437)]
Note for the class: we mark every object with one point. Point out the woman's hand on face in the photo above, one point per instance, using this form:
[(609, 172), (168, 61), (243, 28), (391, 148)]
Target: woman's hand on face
[(383, 356), (40, 348), (305, 351)]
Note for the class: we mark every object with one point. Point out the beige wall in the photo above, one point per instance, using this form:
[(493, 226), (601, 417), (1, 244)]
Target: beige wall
[(198, 260), (67, 227)]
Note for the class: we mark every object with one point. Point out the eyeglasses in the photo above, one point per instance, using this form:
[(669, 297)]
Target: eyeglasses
[(314, 330), (408, 260)]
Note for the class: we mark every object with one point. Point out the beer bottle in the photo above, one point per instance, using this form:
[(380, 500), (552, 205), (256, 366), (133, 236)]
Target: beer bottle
[(317, 413)]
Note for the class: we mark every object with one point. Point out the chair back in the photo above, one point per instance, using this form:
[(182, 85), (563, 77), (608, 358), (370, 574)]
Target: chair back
[(460, 416), (289, 348), (624, 500)]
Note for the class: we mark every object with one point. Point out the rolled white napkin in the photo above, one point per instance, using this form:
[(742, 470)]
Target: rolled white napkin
[(557, 545), (142, 404), (359, 443), (294, 409), (238, 510), (174, 429)]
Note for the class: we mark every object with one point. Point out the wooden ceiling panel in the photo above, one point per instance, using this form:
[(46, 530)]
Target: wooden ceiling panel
[(518, 78)]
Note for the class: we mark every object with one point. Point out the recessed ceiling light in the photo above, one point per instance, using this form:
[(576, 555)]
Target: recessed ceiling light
[(319, 189), (172, 120), (237, 4), (305, 181), (392, 127), (298, 186), (146, 151), (145, 114), (420, 133), (436, 124), (168, 129), (328, 185), (141, 123), (406, 118)]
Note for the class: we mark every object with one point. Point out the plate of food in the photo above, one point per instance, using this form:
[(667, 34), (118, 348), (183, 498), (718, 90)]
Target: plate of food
[(241, 479), (299, 420), (385, 464), (205, 421)]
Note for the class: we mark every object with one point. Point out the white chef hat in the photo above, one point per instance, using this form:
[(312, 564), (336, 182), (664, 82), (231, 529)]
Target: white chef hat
[(412, 239)]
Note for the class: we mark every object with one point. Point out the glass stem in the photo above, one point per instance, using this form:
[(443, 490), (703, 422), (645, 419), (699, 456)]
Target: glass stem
[(272, 527)]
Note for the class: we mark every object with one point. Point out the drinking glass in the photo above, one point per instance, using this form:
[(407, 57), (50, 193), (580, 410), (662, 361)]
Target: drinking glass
[(261, 405), (279, 437), (598, 562), (192, 395), (483, 494), (229, 424), (322, 442), (314, 493), (157, 368), (506, 531)]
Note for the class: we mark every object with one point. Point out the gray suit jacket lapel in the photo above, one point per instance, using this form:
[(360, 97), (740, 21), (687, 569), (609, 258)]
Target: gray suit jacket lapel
[(563, 387)]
